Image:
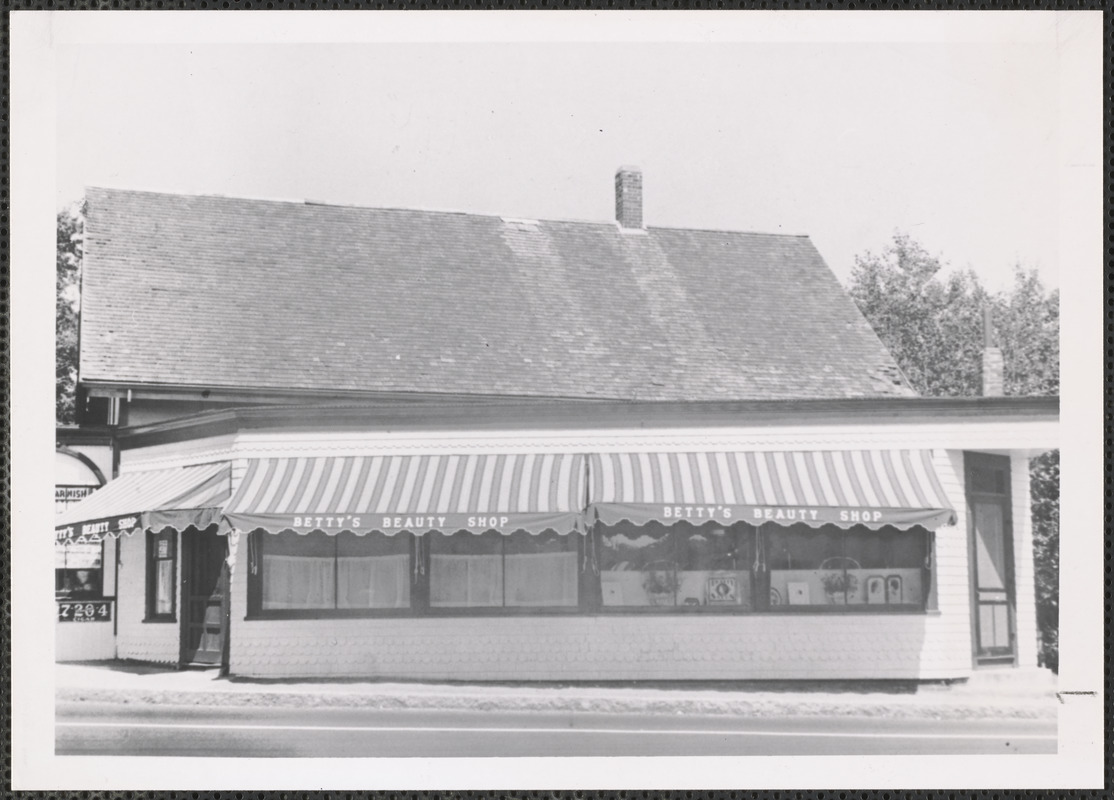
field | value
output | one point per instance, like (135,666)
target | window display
(658,565)
(708,568)
(835,567)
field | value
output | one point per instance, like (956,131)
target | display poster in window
(797,592)
(77,556)
(723,591)
(164,548)
(88,611)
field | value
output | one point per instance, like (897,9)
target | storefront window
(655,565)
(317,571)
(78,570)
(494,570)
(683,567)
(466,570)
(540,570)
(373,571)
(162,563)
(857,567)
(299,571)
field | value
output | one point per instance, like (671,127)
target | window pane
(541,570)
(990,546)
(373,571)
(859,566)
(714,565)
(164,586)
(885,567)
(806,565)
(638,565)
(77,583)
(466,570)
(298,571)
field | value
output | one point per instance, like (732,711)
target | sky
(953,142)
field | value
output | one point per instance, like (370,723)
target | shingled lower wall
(600,648)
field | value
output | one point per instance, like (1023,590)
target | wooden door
(204,616)
(991,539)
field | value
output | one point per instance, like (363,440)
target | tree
(67,282)
(933,326)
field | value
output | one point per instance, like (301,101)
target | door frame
(1002,463)
(190,539)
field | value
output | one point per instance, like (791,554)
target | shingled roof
(220,292)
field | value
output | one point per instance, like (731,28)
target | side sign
(89,611)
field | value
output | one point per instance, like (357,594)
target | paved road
(128,729)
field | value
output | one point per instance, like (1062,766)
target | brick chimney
(993,366)
(628,197)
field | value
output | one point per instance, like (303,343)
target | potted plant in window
(838,583)
(659,580)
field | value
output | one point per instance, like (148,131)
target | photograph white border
(34,39)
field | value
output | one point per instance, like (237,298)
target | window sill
(158,620)
(406,613)
(634,611)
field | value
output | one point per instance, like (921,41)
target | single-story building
(394,443)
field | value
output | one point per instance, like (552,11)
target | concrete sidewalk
(996,694)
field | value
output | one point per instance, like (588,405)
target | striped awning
(152,500)
(418,493)
(875,488)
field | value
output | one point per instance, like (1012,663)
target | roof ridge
(448,211)
(726,230)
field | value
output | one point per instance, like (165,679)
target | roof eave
(564,414)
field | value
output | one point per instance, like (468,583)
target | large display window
(495,570)
(316,574)
(858,568)
(319,572)
(655,566)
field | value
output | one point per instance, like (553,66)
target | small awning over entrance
(152,500)
(418,494)
(876,488)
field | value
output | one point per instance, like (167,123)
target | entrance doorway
(205,591)
(990,532)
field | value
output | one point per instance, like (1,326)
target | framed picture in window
(722,590)
(894,589)
(876,590)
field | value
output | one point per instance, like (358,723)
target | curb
(759,708)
